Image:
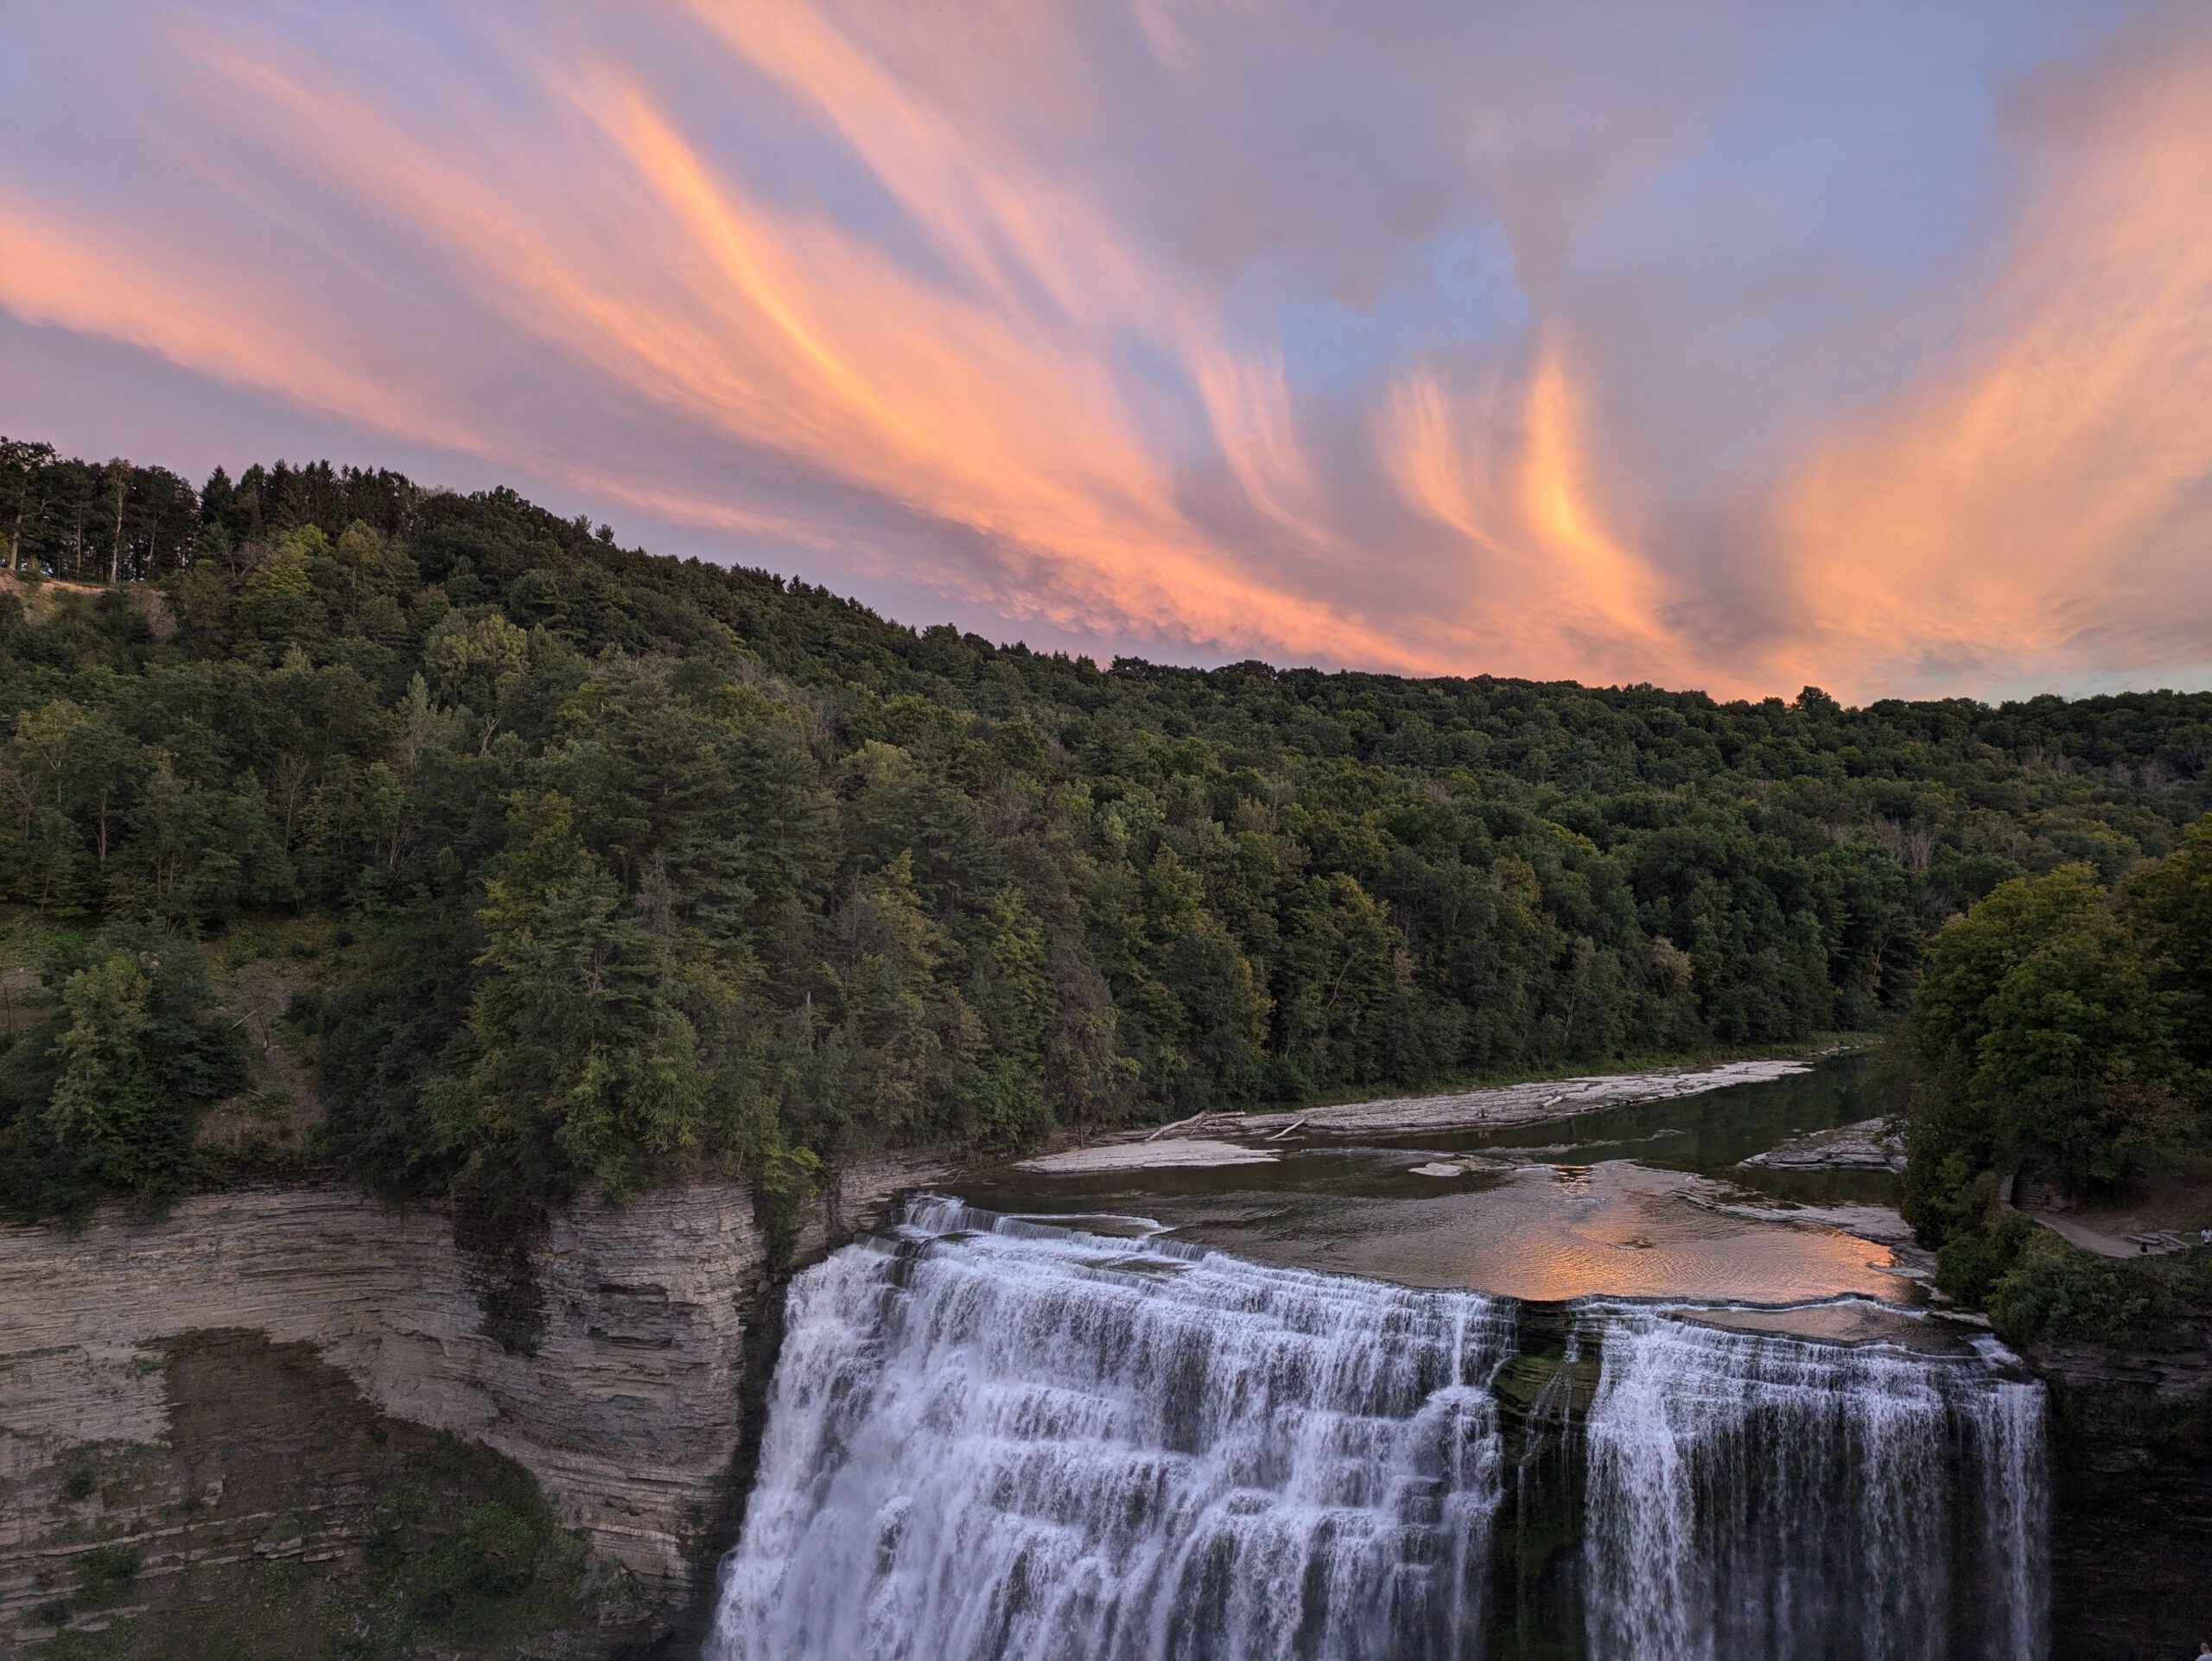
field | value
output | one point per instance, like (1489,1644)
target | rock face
(243,1382)
(628,1410)
(2130,1549)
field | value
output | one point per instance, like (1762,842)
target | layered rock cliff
(326,1307)
(2131,1548)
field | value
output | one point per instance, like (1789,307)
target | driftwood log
(1195,1123)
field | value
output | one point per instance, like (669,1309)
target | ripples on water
(1538,1233)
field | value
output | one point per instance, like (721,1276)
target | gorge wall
(249,1381)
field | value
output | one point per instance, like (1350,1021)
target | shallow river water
(1617,1202)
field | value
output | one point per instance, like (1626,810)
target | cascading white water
(996,1441)
(1750,1495)
(1014,1442)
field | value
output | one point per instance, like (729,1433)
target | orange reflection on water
(1554,1233)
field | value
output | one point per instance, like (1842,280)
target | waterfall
(1752,1495)
(991,1440)
(1013,1441)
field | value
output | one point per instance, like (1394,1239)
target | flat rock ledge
(1860,1146)
(1182,1151)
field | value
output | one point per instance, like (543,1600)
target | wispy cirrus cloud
(2040,491)
(1211,330)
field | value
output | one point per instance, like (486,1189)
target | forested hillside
(612,866)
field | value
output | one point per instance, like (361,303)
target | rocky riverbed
(1865,1146)
(1243,1138)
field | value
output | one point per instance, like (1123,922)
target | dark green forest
(634,866)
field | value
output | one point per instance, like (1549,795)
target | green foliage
(468,1552)
(105,1568)
(889,1040)
(2058,1037)
(104,1094)
(654,865)
(2051,1289)
(467,1582)
(1971,1261)
(2040,1015)
(2168,905)
(576,1058)
(102,1097)
(2055,1037)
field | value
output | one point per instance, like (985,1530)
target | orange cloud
(1509,474)
(796,336)
(71,272)
(1619,586)
(992,404)
(2040,496)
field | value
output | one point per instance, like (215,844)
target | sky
(1735,347)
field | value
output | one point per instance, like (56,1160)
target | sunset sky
(1736,346)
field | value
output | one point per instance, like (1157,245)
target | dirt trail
(41,596)
(2096,1240)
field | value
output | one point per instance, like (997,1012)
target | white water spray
(1753,1495)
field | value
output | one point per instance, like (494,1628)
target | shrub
(107,1566)
(2055,1290)
(305,1009)
(1969,1263)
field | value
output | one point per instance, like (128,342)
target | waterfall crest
(1750,1495)
(990,1440)
(1017,1441)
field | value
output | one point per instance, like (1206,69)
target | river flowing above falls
(1645,1200)
(996,1439)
